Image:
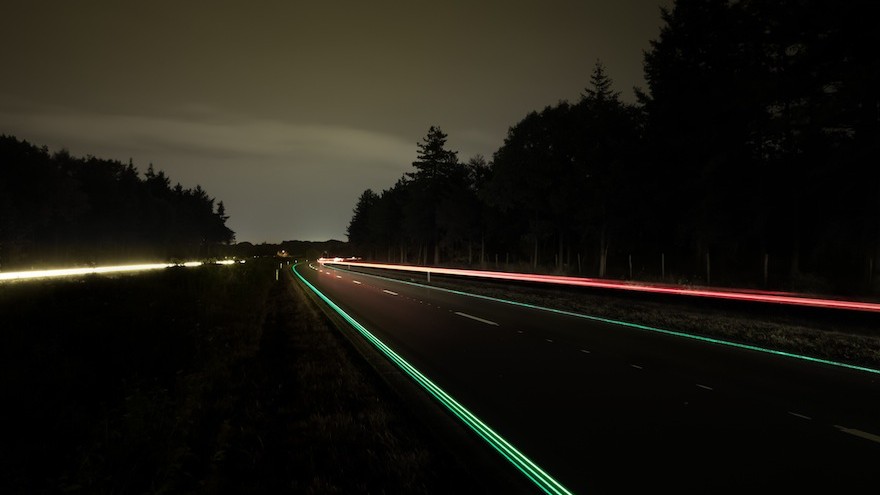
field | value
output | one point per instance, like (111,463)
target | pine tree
(599,89)
(358,231)
(433,157)
(221,211)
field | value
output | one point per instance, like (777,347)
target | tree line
(750,159)
(56,209)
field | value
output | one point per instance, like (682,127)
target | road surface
(611,408)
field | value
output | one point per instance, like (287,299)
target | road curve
(613,408)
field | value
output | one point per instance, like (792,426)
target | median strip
(477,318)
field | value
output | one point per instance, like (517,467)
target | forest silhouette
(750,159)
(60,210)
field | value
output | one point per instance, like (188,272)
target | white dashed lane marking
(476,318)
(389,292)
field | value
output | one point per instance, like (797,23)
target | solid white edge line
(477,318)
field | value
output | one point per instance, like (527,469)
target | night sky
(289,110)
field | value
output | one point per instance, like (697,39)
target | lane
(608,408)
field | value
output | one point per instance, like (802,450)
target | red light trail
(737,295)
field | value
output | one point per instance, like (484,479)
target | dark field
(198,380)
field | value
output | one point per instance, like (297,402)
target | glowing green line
(525,465)
(640,327)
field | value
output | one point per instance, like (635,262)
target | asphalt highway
(611,408)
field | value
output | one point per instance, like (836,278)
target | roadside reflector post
(276,274)
(766,265)
(429,276)
(708,271)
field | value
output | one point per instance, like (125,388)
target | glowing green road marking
(525,465)
(638,326)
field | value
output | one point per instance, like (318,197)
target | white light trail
(67,272)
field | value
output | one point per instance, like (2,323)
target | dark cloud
(265,103)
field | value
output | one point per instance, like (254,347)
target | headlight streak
(531,470)
(737,295)
(642,327)
(66,272)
